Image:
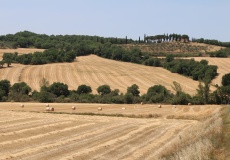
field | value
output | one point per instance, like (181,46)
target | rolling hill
(174,47)
(95,71)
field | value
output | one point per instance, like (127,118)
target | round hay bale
(73,107)
(51,109)
(159,106)
(99,108)
(21,105)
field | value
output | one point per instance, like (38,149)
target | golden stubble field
(95,71)
(33,133)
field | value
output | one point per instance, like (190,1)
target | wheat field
(32,133)
(95,71)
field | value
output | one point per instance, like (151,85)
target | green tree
(169,58)
(44,96)
(134,90)
(177,88)
(21,88)
(226,80)
(59,89)
(19,92)
(157,93)
(5,87)
(84,89)
(128,98)
(104,89)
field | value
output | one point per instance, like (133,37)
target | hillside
(174,47)
(95,71)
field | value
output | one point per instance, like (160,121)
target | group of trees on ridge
(167,38)
(211,41)
(59,92)
(28,39)
(48,56)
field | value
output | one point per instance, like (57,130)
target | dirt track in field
(29,135)
(95,71)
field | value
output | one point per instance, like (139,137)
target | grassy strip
(111,115)
(196,142)
(222,148)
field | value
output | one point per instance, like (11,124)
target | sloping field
(20,51)
(223,67)
(174,47)
(95,71)
(29,135)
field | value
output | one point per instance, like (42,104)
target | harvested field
(95,71)
(223,67)
(30,135)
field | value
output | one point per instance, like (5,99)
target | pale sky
(208,19)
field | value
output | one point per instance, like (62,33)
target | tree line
(211,41)
(167,38)
(59,92)
(48,56)
(28,39)
(220,53)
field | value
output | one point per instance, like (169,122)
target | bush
(226,80)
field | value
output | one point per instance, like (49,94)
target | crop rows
(30,135)
(95,71)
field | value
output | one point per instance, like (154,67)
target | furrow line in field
(68,73)
(118,81)
(166,140)
(27,75)
(85,143)
(7,127)
(49,74)
(38,73)
(17,119)
(88,78)
(95,76)
(60,71)
(75,73)
(34,128)
(53,74)
(150,146)
(4,72)
(137,142)
(61,143)
(14,74)
(125,137)
(80,74)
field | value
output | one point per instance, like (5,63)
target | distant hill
(175,47)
